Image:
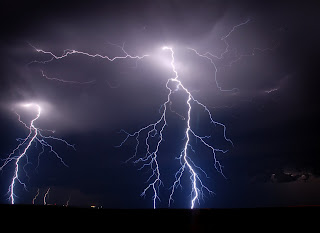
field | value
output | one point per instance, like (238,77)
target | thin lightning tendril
(66,81)
(229,51)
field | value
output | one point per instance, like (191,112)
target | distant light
(96,207)
(27,105)
(166,47)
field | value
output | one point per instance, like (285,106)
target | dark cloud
(284,177)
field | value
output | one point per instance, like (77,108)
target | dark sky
(272,119)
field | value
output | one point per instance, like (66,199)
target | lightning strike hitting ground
(46,196)
(35,136)
(35,197)
(66,81)
(150,159)
(186,163)
(69,52)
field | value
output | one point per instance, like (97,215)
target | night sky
(272,119)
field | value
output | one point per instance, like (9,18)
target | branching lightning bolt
(45,196)
(233,52)
(69,52)
(35,135)
(152,130)
(157,128)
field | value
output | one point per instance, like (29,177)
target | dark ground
(43,218)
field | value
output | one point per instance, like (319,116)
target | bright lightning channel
(35,135)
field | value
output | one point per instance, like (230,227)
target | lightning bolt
(35,197)
(69,52)
(186,163)
(35,135)
(45,196)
